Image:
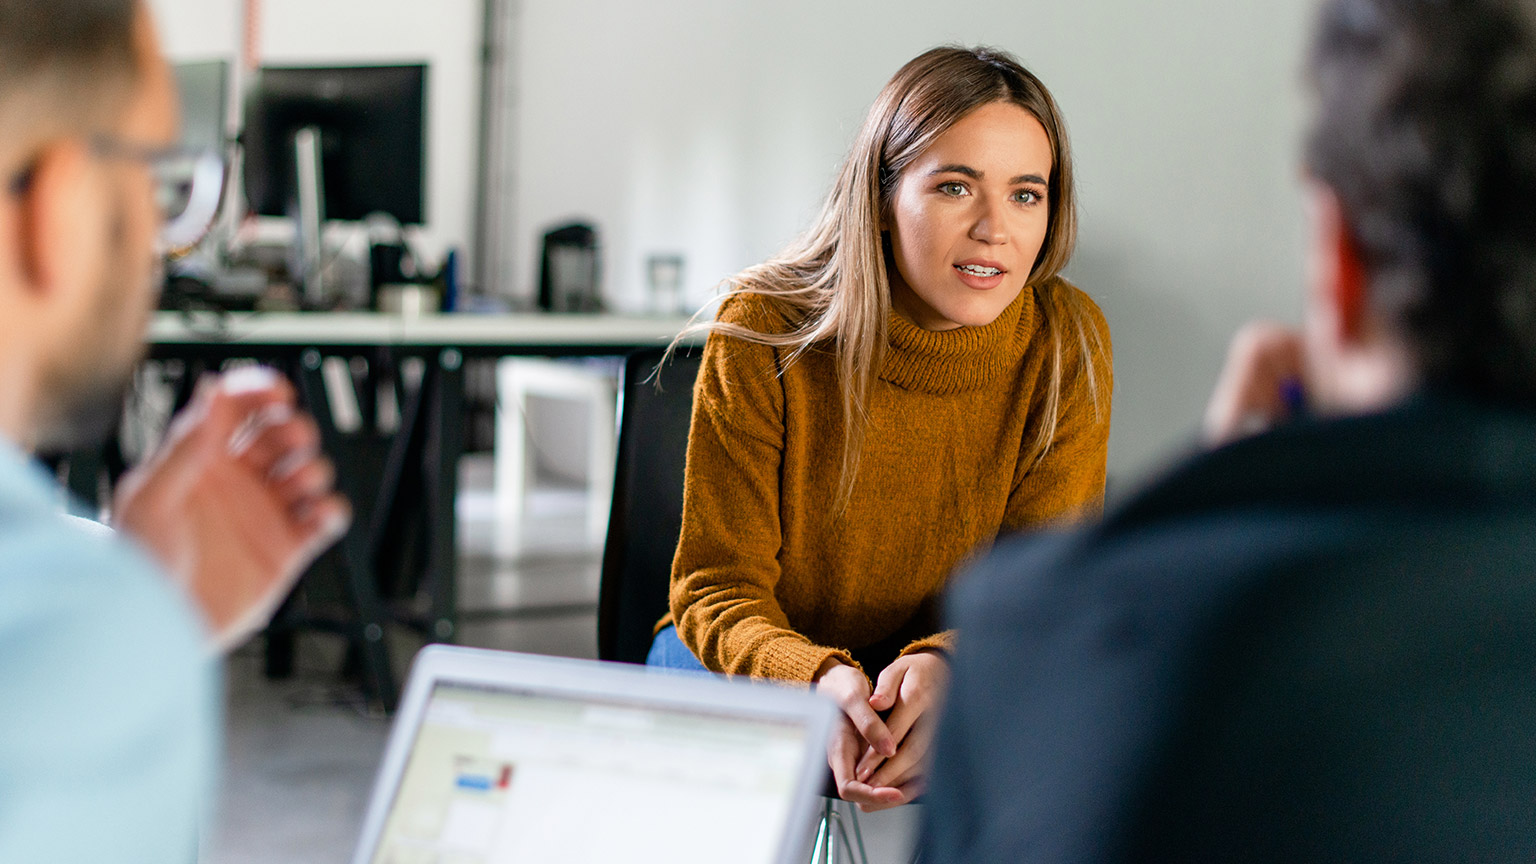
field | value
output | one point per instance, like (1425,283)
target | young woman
(908,379)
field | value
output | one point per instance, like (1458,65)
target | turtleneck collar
(959,360)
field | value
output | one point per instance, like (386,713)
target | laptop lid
(503,758)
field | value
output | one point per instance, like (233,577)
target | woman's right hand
(861,727)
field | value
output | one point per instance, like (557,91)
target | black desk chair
(643,527)
(647,512)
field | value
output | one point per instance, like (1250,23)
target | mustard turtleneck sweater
(770,580)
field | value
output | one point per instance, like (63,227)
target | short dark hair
(1426,132)
(76,54)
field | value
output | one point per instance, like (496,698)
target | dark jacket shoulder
(1300,646)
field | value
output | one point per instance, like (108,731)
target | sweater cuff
(943,642)
(795,660)
(665,622)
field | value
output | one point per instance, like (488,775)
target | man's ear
(1338,275)
(60,220)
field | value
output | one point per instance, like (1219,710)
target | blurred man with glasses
(108,680)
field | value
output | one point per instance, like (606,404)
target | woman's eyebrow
(966,170)
(972,173)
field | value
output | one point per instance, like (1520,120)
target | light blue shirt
(108,709)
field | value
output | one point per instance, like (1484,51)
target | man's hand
(912,689)
(1261,384)
(237,500)
(860,728)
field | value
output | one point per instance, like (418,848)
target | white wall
(446,34)
(714,128)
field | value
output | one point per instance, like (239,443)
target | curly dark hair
(1426,131)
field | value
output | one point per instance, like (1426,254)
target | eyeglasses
(189,186)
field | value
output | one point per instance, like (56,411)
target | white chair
(517,379)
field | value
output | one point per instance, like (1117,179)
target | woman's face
(968,219)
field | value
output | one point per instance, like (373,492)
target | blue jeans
(669,652)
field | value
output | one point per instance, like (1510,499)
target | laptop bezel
(567,678)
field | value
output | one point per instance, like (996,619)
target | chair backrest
(647,512)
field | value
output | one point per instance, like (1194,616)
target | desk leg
(445,444)
(367,628)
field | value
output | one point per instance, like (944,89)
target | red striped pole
(251,35)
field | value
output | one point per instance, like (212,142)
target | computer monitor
(371,124)
(204,89)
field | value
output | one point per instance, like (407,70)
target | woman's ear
(883,199)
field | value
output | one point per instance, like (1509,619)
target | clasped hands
(878,763)
(236,502)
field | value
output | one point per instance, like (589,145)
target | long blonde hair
(832,282)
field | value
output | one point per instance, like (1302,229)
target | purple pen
(1294,397)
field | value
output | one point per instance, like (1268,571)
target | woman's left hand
(911,688)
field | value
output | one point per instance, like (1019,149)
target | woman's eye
(955,189)
(1026,196)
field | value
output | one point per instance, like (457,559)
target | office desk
(431,434)
(202,334)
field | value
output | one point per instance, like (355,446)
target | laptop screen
(504,777)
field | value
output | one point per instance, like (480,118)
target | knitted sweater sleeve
(1068,481)
(726,567)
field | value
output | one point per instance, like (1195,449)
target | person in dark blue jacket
(1316,641)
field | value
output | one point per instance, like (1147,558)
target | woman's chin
(980,312)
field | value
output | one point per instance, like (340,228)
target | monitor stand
(311,183)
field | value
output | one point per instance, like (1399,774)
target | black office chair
(647,512)
(643,527)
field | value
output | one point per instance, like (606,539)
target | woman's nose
(989,226)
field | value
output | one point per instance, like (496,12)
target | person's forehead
(153,111)
(999,132)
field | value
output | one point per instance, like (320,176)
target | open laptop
(502,758)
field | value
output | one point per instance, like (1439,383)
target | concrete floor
(301,753)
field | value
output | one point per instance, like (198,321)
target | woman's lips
(982,277)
